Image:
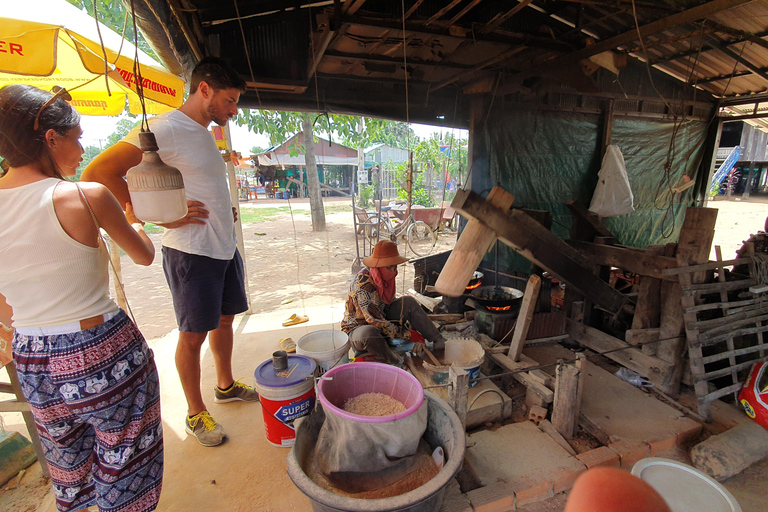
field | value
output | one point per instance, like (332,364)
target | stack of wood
(653,328)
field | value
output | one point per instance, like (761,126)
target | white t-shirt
(188,146)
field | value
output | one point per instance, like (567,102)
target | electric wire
(103,50)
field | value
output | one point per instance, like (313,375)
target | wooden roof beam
(708,80)
(689,53)
(501,18)
(674,20)
(531,40)
(352,6)
(755,70)
(394,60)
(439,14)
(413,9)
(471,5)
(495,60)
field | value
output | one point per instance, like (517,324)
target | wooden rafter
(394,60)
(508,38)
(690,53)
(352,6)
(490,62)
(471,5)
(755,70)
(674,20)
(501,18)
(413,9)
(711,79)
(439,14)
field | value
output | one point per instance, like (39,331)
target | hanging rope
(103,50)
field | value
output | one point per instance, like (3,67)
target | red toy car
(754,394)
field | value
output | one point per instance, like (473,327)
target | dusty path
(285,260)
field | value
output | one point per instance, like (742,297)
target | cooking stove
(496,324)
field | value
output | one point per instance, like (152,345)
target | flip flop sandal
(287,344)
(295,319)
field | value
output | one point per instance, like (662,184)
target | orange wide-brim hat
(385,253)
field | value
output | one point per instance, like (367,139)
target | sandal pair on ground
(202,425)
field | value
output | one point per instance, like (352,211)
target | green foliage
(419,194)
(365,199)
(122,128)
(257,150)
(114,15)
(91,152)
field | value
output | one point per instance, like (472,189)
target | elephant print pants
(95,397)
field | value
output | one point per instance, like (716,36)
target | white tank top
(47,277)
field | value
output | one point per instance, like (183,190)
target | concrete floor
(521,467)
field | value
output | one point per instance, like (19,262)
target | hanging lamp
(156,188)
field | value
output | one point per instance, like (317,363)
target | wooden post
(524,317)
(693,247)
(564,409)
(475,241)
(459,393)
(647,312)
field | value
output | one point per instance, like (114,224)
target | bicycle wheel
(421,238)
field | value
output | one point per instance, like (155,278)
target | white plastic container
(327,347)
(685,488)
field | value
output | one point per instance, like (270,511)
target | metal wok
(496,296)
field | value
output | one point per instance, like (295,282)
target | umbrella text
(11,48)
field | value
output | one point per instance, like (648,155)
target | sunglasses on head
(58,92)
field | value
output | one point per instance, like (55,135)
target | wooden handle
(432,357)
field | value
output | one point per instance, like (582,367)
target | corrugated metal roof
(358,55)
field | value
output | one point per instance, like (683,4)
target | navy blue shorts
(204,289)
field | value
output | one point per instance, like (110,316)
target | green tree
(90,153)
(122,128)
(113,14)
(257,150)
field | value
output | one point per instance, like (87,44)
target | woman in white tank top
(83,365)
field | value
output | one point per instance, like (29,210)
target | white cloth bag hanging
(613,194)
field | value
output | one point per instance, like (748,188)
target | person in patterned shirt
(373,316)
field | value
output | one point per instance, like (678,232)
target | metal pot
(496,296)
(477,278)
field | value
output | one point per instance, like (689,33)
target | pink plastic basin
(350,380)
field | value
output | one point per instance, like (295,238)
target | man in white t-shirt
(202,265)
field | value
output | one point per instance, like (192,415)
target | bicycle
(420,237)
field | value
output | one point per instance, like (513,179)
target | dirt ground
(287,261)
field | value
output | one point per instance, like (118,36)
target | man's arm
(111,166)
(5,312)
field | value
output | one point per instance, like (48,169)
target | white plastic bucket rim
(327,347)
(684,487)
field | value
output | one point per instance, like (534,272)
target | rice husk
(373,404)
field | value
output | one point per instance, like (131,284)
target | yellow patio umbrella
(51,42)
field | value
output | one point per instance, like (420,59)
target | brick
(630,453)
(662,445)
(536,414)
(601,456)
(564,478)
(454,500)
(687,430)
(495,497)
(533,492)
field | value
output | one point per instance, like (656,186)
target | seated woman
(373,316)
